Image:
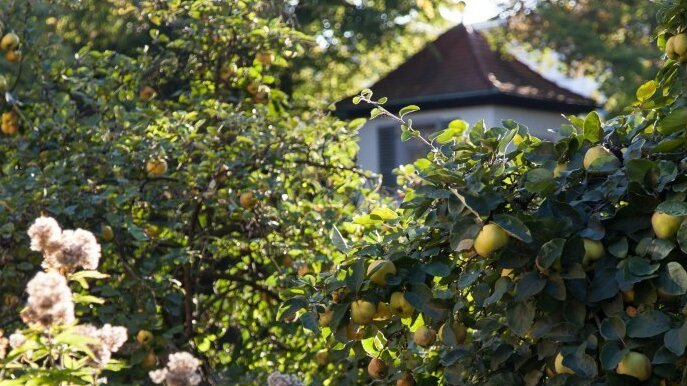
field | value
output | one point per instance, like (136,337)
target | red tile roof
(460,68)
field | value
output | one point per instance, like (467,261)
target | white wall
(538,121)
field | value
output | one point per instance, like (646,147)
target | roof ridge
(483,71)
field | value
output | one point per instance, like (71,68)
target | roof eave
(466,99)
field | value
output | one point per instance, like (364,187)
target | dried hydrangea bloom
(80,248)
(45,234)
(280,379)
(66,250)
(105,341)
(3,346)
(50,300)
(181,370)
(17,340)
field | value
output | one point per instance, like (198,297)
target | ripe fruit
(635,365)
(151,231)
(670,48)
(424,336)
(149,361)
(383,311)
(629,295)
(12,56)
(144,337)
(247,200)
(107,233)
(326,317)
(558,365)
(156,167)
(362,311)
(377,368)
(593,250)
(406,380)
(146,93)
(631,311)
(460,332)
(265,58)
(10,123)
(665,226)
(679,46)
(9,42)
(379,269)
(400,306)
(490,239)
(595,153)
(322,357)
(339,294)
(227,71)
(560,168)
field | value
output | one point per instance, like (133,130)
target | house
(458,76)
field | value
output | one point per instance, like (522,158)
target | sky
(476,11)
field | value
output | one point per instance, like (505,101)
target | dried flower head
(50,300)
(45,234)
(66,250)
(17,340)
(3,345)
(280,379)
(104,341)
(181,370)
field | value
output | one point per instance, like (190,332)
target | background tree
(208,185)
(608,41)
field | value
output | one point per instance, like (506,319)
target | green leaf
(592,127)
(356,276)
(539,180)
(673,121)
(383,214)
(501,286)
(672,280)
(87,299)
(514,227)
(612,328)
(338,240)
(673,208)
(646,91)
(675,340)
(611,354)
(407,110)
(550,252)
(648,325)
(310,321)
(520,317)
(529,285)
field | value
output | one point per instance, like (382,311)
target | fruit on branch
(156,167)
(400,306)
(146,93)
(490,239)
(247,200)
(107,233)
(144,337)
(227,71)
(665,226)
(424,336)
(593,250)
(676,47)
(559,367)
(9,42)
(635,365)
(595,153)
(322,357)
(10,123)
(377,368)
(406,380)
(460,332)
(149,361)
(378,271)
(383,311)
(326,317)
(13,56)
(362,311)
